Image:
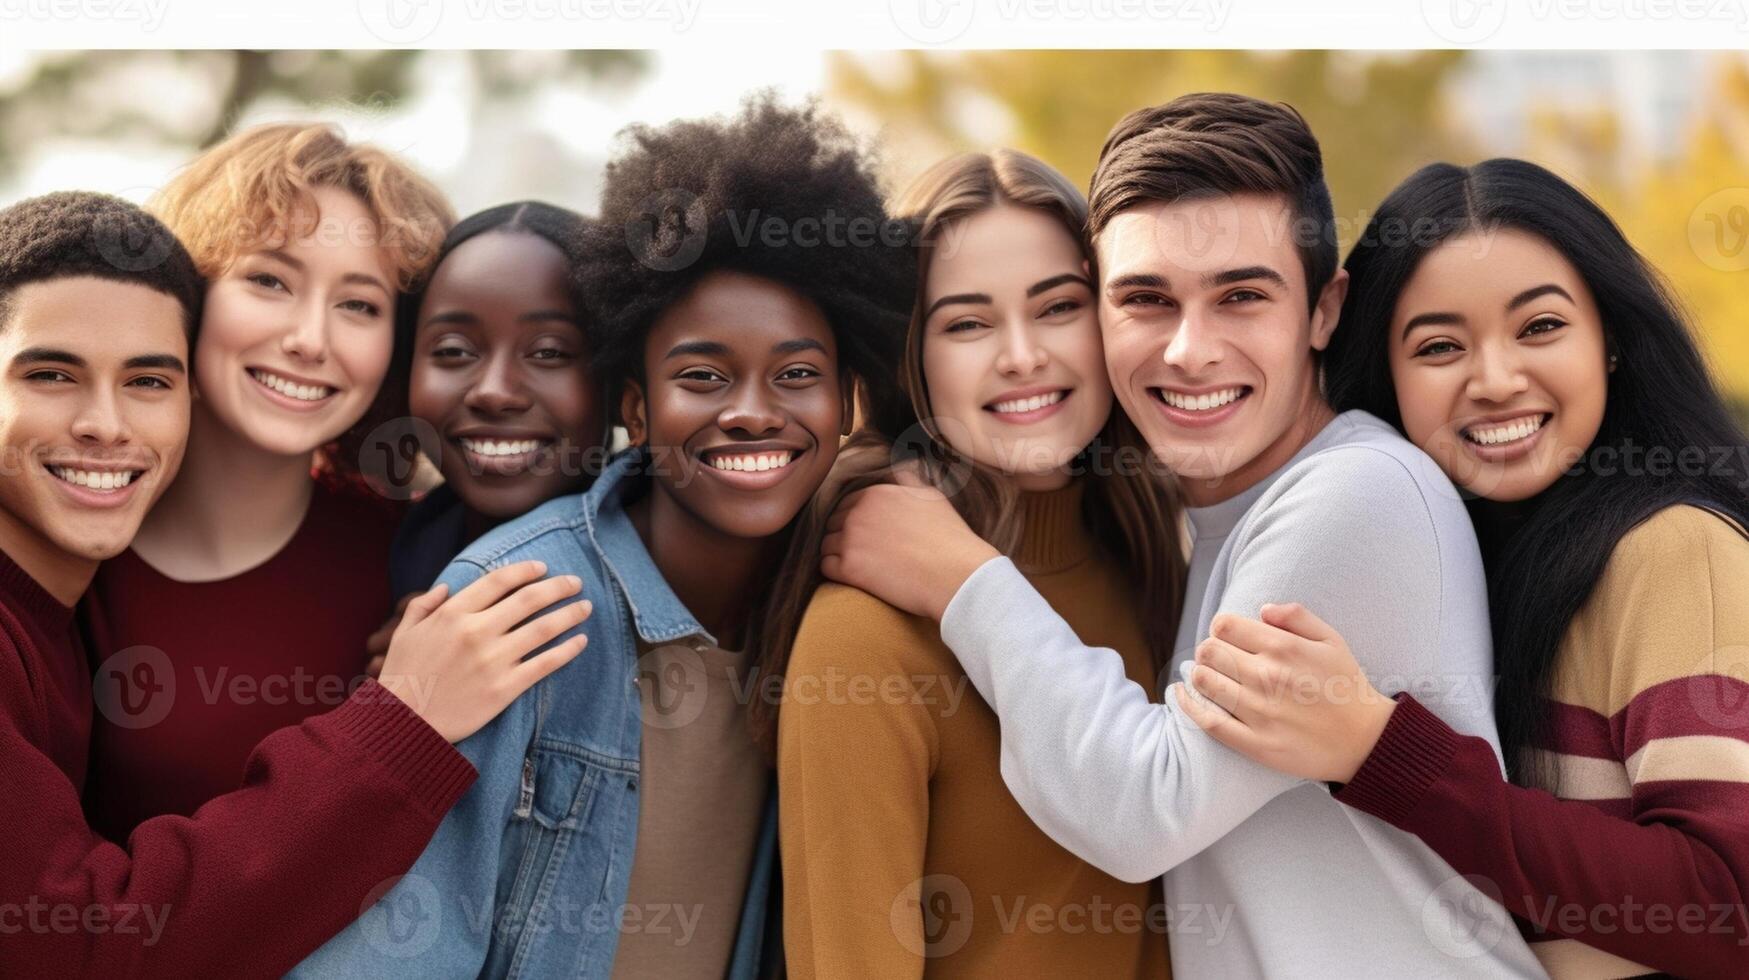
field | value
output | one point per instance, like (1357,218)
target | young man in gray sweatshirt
(1218,287)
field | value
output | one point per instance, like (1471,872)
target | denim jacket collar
(657,613)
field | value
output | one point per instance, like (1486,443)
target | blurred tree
(1687,211)
(1377,116)
(191,99)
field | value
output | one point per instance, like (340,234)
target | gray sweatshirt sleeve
(1136,788)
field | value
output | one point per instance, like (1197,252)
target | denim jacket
(527,876)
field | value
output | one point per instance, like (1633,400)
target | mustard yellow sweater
(903,853)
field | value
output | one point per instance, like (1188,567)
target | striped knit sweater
(1634,857)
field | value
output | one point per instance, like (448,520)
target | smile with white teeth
(1504,432)
(100,480)
(752,462)
(291,389)
(500,447)
(1200,403)
(1032,404)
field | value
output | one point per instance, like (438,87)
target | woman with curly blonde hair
(257,578)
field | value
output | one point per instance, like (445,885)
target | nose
(100,420)
(751,410)
(307,338)
(499,390)
(1193,346)
(1496,374)
(1021,354)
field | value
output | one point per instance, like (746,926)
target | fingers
(1297,619)
(1208,717)
(530,599)
(832,566)
(485,591)
(1250,635)
(537,633)
(1238,665)
(422,605)
(1222,690)
(374,666)
(531,671)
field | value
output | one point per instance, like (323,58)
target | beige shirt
(704,786)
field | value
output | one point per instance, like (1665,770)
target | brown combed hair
(254,191)
(1214,143)
(1132,512)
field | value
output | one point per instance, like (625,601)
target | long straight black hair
(1544,561)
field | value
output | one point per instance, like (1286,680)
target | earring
(1613,361)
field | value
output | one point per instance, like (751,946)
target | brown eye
(1547,324)
(1437,348)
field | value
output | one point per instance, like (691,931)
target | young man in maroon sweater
(98,305)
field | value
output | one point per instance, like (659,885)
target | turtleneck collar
(1053,536)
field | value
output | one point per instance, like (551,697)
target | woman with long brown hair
(903,852)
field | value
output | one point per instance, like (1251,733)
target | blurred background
(1661,139)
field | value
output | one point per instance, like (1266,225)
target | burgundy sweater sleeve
(1567,865)
(252,882)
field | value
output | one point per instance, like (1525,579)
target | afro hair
(78,233)
(782,193)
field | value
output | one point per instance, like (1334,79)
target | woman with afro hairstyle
(625,823)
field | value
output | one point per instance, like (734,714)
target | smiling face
(1203,305)
(295,340)
(1499,361)
(742,403)
(1011,351)
(501,371)
(94,408)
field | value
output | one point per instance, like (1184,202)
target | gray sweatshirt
(1266,875)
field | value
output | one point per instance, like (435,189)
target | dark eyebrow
(1533,292)
(48,355)
(539,316)
(459,317)
(163,362)
(1230,276)
(1146,280)
(1055,281)
(1432,320)
(798,345)
(967,298)
(700,348)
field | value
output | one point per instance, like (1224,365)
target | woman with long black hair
(1500,319)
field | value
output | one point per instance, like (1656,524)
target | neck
(711,573)
(232,506)
(1313,414)
(61,574)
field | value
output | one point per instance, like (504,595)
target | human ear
(631,412)
(1329,308)
(847,421)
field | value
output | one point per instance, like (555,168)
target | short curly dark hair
(80,233)
(783,193)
